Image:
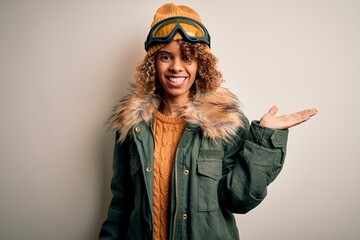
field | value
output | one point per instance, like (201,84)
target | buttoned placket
(179,180)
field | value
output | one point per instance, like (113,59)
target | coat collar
(217,113)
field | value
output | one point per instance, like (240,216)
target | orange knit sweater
(167,134)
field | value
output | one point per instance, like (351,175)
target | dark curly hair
(208,77)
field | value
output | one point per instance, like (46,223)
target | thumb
(273,110)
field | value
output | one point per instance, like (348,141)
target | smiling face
(176,73)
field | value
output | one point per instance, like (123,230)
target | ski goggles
(197,34)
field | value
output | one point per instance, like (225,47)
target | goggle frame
(151,40)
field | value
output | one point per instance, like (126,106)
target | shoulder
(136,107)
(217,113)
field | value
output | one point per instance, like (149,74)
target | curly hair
(208,77)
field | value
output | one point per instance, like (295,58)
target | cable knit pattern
(167,133)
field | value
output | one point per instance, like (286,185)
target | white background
(65,64)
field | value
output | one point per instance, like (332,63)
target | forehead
(173,47)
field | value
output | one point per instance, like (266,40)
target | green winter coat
(222,166)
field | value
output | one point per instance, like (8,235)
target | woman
(186,158)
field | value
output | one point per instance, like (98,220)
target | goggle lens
(196,29)
(164,31)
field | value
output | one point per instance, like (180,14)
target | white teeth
(176,80)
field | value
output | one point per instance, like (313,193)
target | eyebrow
(163,51)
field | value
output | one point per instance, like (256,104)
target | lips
(176,81)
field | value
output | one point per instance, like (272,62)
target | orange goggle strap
(152,40)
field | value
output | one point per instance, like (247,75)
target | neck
(169,110)
(170,106)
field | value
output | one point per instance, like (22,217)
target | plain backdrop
(65,64)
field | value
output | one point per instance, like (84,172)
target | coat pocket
(209,174)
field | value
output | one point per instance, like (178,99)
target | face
(176,73)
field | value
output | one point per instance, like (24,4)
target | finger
(305,113)
(300,117)
(312,112)
(273,110)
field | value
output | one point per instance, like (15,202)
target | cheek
(157,67)
(194,70)
(160,69)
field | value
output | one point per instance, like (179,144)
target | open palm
(285,121)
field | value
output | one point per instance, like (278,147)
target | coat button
(186,172)
(148,169)
(137,129)
(184,216)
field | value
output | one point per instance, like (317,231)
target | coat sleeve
(116,224)
(251,163)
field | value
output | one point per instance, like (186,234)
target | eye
(187,59)
(165,57)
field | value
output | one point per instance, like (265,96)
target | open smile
(176,81)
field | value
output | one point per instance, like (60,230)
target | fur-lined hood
(216,113)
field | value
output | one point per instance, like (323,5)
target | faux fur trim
(217,113)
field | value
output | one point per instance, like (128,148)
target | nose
(176,65)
